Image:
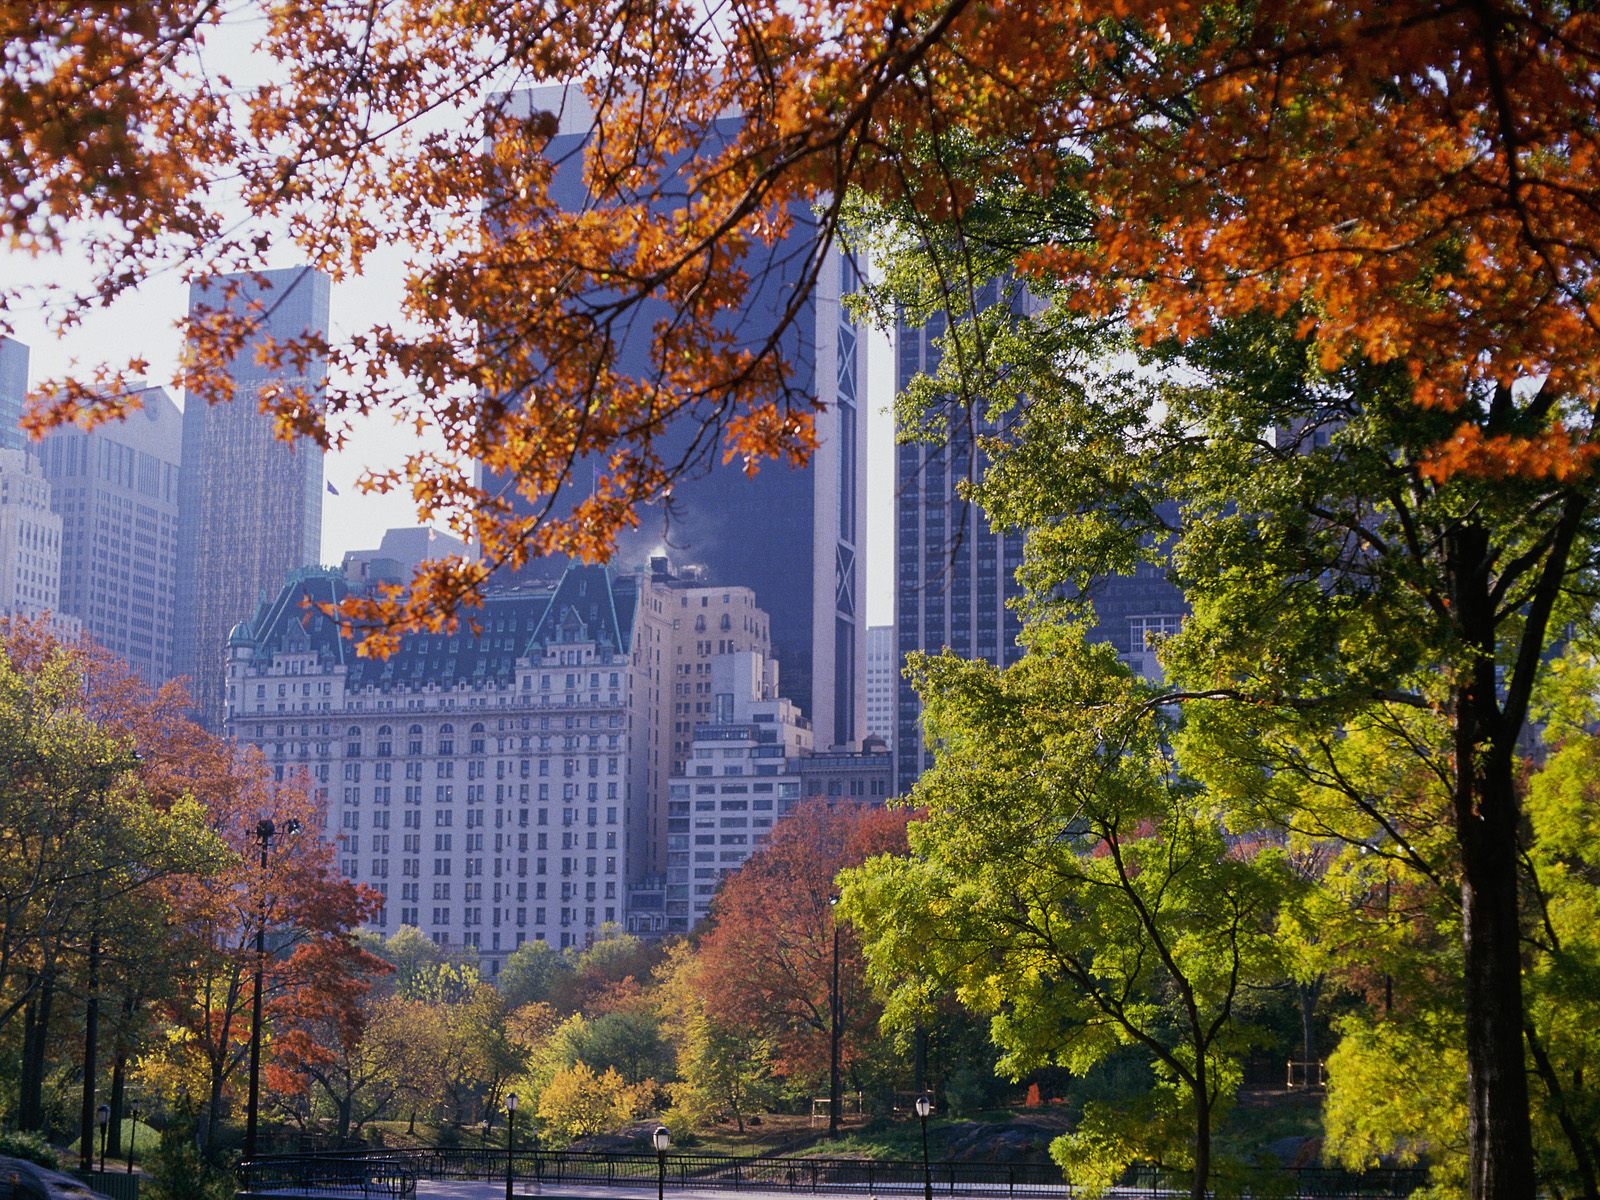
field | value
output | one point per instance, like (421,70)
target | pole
(927,1171)
(133,1129)
(835,1098)
(264,832)
(661,1174)
(104,1129)
(91,1032)
(511,1140)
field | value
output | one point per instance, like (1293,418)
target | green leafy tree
(724,1069)
(1068,881)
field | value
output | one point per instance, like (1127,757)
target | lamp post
(133,1129)
(661,1139)
(924,1107)
(511,1137)
(835,1020)
(102,1116)
(264,832)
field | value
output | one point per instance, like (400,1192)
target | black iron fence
(359,1176)
(398,1169)
(116,1184)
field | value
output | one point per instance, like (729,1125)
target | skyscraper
(250,506)
(30,539)
(795,537)
(13,390)
(954,576)
(883,682)
(116,491)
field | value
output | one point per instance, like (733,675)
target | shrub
(30,1146)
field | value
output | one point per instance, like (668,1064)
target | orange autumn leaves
(1417,180)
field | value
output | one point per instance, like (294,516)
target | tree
(578,1103)
(724,1070)
(768,963)
(1411,186)
(1072,884)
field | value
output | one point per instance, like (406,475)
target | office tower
(30,539)
(954,576)
(250,505)
(13,391)
(795,537)
(491,785)
(116,491)
(883,681)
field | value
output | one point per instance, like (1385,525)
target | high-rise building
(883,681)
(115,489)
(736,783)
(955,576)
(13,391)
(795,537)
(30,538)
(688,622)
(250,505)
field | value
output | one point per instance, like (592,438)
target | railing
(367,1175)
(119,1185)
(868,1177)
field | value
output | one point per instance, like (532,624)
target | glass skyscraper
(794,536)
(954,576)
(250,507)
(13,390)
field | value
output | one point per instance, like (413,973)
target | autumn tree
(1411,186)
(768,962)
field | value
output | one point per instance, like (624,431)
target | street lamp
(102,1116)
(511,1137)
(264,832)
(924,1107)
(133,1129)
(661,1139)
(835,1020)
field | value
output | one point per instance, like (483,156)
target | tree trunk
(1307,994)
(1500,1140)
(1202,1133)
(119,1087)
(35,1028)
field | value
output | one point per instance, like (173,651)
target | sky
(145,325)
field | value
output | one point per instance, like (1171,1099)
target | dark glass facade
(794,536)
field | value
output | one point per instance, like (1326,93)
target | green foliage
(30,1147)
(1068,882)
(178,1171)
(533,974)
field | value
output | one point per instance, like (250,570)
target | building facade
(250,505)
(13,392)
(30,538)
(955,577)
(795,537)
(115,489)
(883,682)
(737,782)
(490,787)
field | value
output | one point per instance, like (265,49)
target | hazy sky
(145,325)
